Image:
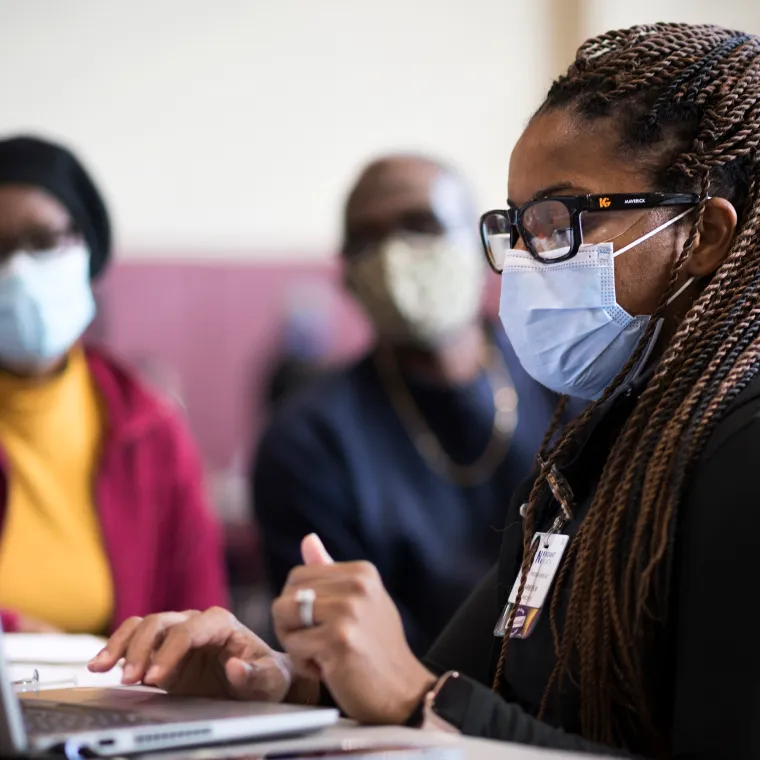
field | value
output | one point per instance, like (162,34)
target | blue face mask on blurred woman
(46,303)
(564,322)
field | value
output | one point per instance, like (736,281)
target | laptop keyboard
(64,719)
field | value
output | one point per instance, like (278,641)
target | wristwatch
(445,706)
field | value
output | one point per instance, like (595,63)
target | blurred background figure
(306,341)
(103,510)
(408,457)
(301,350)
(303,342)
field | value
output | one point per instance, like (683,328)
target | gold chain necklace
(428,444)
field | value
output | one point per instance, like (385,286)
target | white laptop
(81,722)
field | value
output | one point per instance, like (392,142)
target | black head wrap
(31,161)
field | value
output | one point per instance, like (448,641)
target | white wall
(602,15)
(233,127)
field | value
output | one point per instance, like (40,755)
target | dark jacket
(162,540)
(710,676)
(338,461)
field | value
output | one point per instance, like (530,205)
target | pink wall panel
(217,326)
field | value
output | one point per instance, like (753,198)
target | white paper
(51,648)
(64,676)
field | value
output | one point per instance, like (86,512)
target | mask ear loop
(650,234)
(680,290)
(653,232)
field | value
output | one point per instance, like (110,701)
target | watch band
(445,705)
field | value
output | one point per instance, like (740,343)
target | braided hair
(686,100)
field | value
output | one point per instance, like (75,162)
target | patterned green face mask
(419,289)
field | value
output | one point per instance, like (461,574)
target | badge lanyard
(547,557)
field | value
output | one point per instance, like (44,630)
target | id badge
(540,576)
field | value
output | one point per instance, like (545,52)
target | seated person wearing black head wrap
(102,513)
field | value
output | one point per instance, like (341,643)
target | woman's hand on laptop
(356,643)
(208,654)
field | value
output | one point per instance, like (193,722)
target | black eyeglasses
(553,229)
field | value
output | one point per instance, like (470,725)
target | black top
(338,461)
(710,677)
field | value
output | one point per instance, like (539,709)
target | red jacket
(162,540)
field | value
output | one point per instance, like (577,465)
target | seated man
(102,511)
(409,457)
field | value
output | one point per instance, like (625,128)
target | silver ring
(305,598)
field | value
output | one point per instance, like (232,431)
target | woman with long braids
(621,614)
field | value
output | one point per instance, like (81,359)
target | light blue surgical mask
(564,322)
(46,303)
